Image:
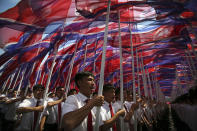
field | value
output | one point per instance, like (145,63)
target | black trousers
(8,125)
(50,127)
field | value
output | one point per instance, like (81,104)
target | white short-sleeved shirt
(28,118)
(11,110)
(127,106)
(52,117)
(75,102)
(117,106)
(105,113)
(53,111)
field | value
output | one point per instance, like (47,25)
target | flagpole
(149,81)
(35,82)
(154,86)
(186,76)
(144,77)
(192,43)
(101,81)
(34,66)
(133,77)
(121,72)
(157,87)
(94,66)
(85,55)
(42,78)
(19,70)
(67,83)
(20,84)
(50,73)
(139,92)
(192,63)
(48,82)
(38,74)
(5,83)
(12,77)
(178,83)
(189,64)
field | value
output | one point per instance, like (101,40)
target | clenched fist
(97,101)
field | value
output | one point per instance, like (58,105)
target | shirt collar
(106,103)
(37,99)
(82,97)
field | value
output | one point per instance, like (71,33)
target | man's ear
(79,82)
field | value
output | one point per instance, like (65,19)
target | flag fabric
(160,31)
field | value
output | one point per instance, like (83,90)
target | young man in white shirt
(10,114)
(77,110)
(53,120)
(31,109)
(109,115)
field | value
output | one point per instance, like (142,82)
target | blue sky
(4,5)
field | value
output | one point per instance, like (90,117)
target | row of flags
(31,30)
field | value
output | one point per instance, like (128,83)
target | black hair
(38,86)
(71,91)
(192,94)
(59,87)
(23,89)
(79,76)
(108,87)
(117,91)
(29,90)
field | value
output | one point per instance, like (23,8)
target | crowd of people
(76,111)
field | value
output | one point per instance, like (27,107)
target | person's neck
(108,101)
(59,97)
(85,94)
(37,98)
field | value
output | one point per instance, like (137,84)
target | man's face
(22,93)
(14,93)
(60,92)
(38,93)
(109,95)
(73,93)
(129,97)
(86,84)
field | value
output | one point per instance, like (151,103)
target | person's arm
(41,126)
(10,101)
(109,123)
(50,104)
(29,109)
(74,118)
(131,112)
(3,100)
(18,121)
(2,97)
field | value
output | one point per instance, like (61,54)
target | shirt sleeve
(25,103)
(116,107)
(50,100)
(69,105)
(46,112)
